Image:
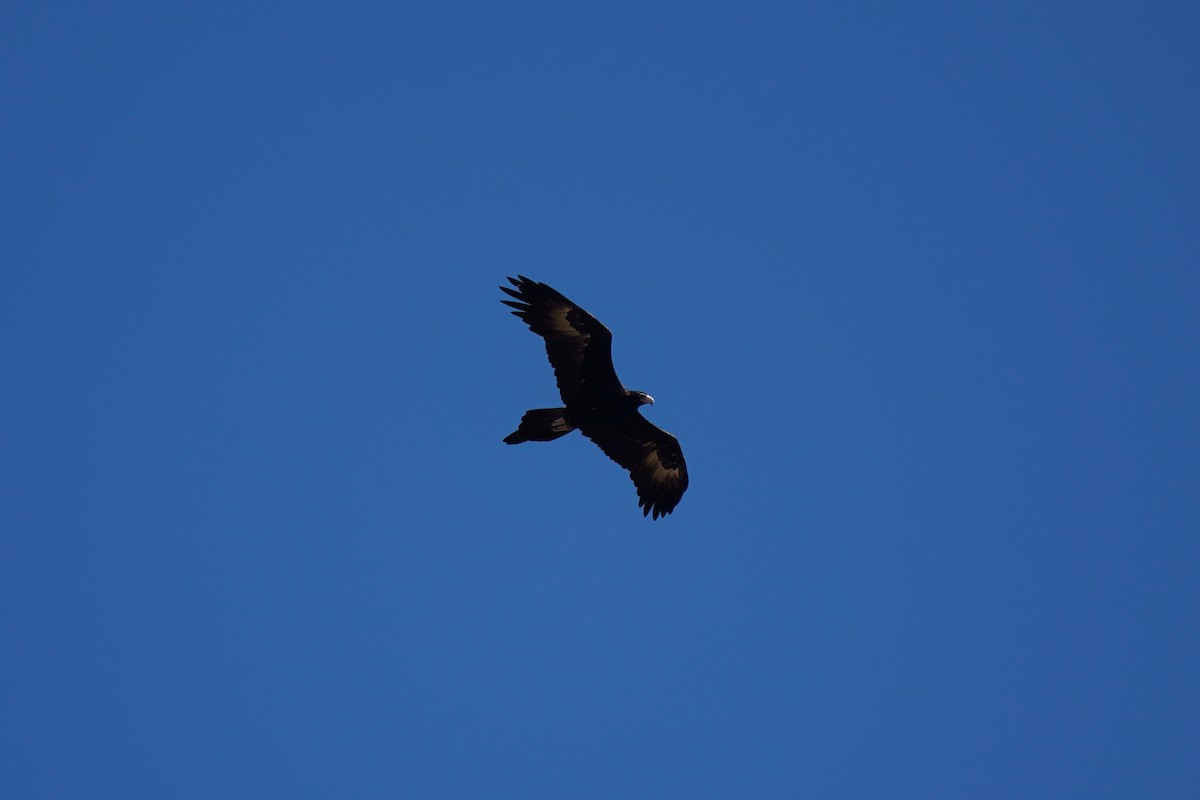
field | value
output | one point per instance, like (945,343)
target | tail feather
(541,425)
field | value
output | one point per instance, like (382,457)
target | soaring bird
(594,401)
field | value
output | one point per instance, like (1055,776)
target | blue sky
(914,284)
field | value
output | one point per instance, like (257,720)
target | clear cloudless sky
(917,286)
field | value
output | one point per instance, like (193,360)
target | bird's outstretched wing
(579,347)
(652,456)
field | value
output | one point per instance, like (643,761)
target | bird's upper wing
(652,456)
(579,346)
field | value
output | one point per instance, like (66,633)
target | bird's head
(643,399)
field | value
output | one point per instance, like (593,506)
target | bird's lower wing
(652,456)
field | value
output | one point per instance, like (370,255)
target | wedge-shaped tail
(540,425)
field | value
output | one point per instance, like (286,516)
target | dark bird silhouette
(580,350)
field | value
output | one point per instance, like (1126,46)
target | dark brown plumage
(580,350)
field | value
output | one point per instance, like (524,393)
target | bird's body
(580,350)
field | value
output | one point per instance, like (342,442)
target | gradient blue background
(916,285)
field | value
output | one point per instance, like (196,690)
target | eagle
(594,401)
